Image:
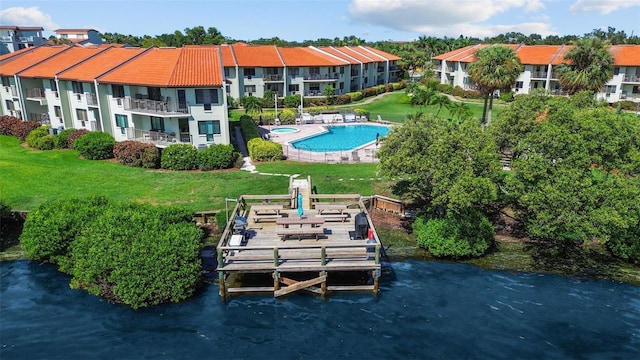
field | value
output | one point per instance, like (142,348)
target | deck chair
(355,157)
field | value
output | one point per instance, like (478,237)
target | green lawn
(29,177)
(389,108)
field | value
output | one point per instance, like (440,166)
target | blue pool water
(341,138)
(284,130)
(425,310)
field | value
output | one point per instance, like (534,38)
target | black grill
(362,226)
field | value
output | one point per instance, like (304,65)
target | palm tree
(495,68)
(589,65)
(460,110)
(252,104)
(440,100)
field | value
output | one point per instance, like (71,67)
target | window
(53,84)
(57,110)
(314,70)
(609,89)
(366,67)
(341,69)
(154,93)
(81,114)
(249,72)
(294,87)
(341,85)
(206,97)
(157,124)
(10,105)
(209,128)
(77,87)
(5,81)
(122,121)
(118,91)
(249,89)
(226,72)
(294,71)
(519,84)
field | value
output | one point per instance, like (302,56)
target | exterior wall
(13,40)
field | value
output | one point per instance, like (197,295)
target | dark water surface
(425,310)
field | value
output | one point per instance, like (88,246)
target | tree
(452,167)
(441,101)
(495,68)
(588,66)
(329,92)
(251,104)
(459,110)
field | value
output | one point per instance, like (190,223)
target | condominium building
(14,38)
(173,95)
(79,36)
(539,63)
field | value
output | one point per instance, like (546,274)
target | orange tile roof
(197,66)
(258,56)
(331,50)
(15,53)
(89,69)
(228,58)
(382,54)
(626,55)
(455,52)
(15,64)
(538,54)
(170,67)
(62,61)
(302,56)
(360,57)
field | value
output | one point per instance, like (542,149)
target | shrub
(292,101)
(50,228)
(471,94)
(388,87)
(362,112)
(8,124)
(74,135)
(61,139)
(406,99)
(21,129)
(262,150)
(179,157)
(625,244)
(45,143)
(368,92)
(35,134)
(457,91)
(5,210)
(628,105)
(355,96)
(217,157)
(506,96)
(342,100)
(137,154)
(287,116)
(249,129)
(445,88)
(461,235)
(96,145)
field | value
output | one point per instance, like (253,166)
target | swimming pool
(341,138)
(284,130)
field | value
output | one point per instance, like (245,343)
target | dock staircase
(301,186)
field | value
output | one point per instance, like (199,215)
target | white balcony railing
(35,93)
(155,106)
(92,99)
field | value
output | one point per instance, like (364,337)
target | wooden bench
(330,208)
(335,217)
(268,217)
(268,209)
(300,232)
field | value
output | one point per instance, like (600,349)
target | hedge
(263,150)
(12,126)
(96,145)
(137,154)
(36,134)
(217,157)
(74,135)
(179,157)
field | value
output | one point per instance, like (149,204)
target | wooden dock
(299,253)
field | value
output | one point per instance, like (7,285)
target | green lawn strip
(29,177)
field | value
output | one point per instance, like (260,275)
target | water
(284,130)
(426,310)
(341,138)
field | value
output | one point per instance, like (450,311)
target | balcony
(6,38)
(11,90)
(539,74)
(92,99)
(272,78)
(43,118)
(314,93)
(632,78)
(380,69)
(36,94)
(155,107)
(25,38)
(158,138)
(321,77)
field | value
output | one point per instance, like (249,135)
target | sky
(299,20)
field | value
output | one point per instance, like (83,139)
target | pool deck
(364,153)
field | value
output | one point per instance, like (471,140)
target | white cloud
(447,18)
(20,16)
(601,6)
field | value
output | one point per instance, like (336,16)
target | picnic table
(273,209)
(294,220)
(330,208)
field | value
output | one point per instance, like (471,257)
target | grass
(390,108)
(30,177)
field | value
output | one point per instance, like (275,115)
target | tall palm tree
(588,66)
(440,101)
(460,110)
(495,68)
(252,104)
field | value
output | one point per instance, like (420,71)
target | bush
(35,134)
(287,116)
(292,101)
(75,135)
(406,99)
(139,255)
(7,124)
(362,112)
(137,154)
(5,210)
(342,100)
(355,96)
(217,157)
(61,139)
(262,150)
(50,229)
(179,157)
(368,92)
(627,105)
(249,129)
(472,94)
(45,143)
(445,88)
(17,128)
(462,235)
(506,96)
(96,145)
